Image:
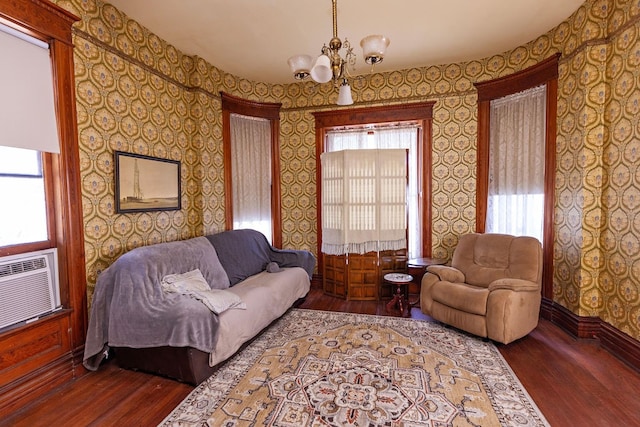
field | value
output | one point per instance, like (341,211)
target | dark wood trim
(316,281)
(548,238)
(482,165)
(611,339)
(373,115)
(70,221)
(246,107)
(425,190)
(620,345)
(52,24)
(545,72)
(536,75)
(40,19)
(421,112)
(265,110)
(34,359)
(577,326)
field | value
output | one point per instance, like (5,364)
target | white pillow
(220,300)
(186,282)
(193,284)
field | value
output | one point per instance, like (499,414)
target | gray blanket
(244,253)
(130,309)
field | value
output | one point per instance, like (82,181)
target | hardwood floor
(573,382)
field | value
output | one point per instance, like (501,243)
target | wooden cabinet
(334,275)
(360,277)
(363,277)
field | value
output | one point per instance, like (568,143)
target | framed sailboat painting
(145,183)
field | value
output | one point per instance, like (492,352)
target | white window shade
(364,201)
(27,108)
(251,170)
(515,203)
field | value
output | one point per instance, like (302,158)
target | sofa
(492,288)
(179,309)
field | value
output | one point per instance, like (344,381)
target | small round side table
(399,300)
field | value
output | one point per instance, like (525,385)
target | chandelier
(331,66)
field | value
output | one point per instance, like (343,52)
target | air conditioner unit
(28,286)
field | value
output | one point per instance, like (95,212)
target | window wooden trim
(421,113)
(265,110)
(545,72)
(52,24)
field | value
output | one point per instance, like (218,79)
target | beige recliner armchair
(492,288)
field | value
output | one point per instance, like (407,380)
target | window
(385,138)
(23,218)
(515,203)
(543,74)
(252,166)
(251,169)
(27,215)
(419,115)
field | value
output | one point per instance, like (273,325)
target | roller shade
(27,108)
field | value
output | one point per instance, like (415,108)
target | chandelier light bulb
(321,71)
(374,48)
(344,95)
(334,65)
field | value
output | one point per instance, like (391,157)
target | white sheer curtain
(251,170)
(516,164)
(403,137)
(364,206)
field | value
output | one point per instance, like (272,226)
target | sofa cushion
(461,296)
(267,296)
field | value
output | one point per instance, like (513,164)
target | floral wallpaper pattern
(135,92)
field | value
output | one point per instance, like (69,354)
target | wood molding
(316,281)
(420,112)
(620,345)
(540,73)
(39,18)
(35,358)
(545,72)
(611,339)
(264,110)
(44,350)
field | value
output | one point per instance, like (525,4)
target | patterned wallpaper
(137,93)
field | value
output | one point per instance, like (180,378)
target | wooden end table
(417,267)
(399,300)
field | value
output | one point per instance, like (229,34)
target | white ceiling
(253,38)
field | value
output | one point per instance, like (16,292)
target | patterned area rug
(318,368)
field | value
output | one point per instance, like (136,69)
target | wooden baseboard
(611,339)
(621,345)
(316,281)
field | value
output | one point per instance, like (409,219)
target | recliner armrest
(517,285)
(447,273)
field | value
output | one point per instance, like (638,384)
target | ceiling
(253,39)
